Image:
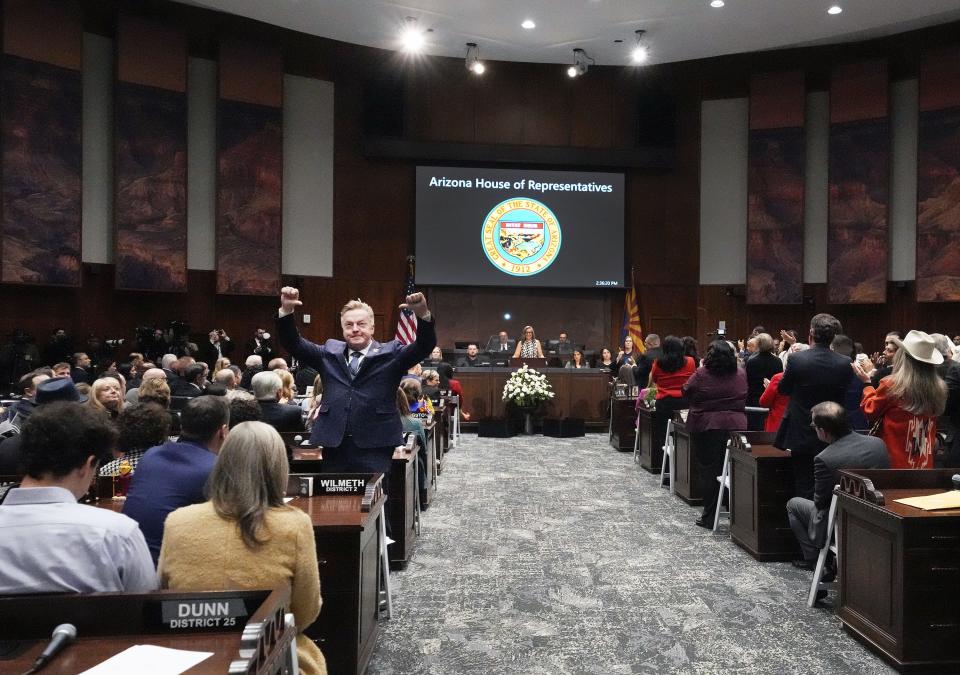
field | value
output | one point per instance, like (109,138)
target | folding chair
(668,464)
(386,599)
(636,440)
(724,480)
(829,546)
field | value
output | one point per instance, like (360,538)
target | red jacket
(777,402)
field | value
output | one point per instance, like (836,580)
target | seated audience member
(444,369)
(606,361)
(142,426)
(845,450)
(288,391)
(500,344)
(61,369)
(717,393)
(27,386)
(48,391)
(244,410)
(772,399)
(193,382)
(844,346)
(529,347)
(311,404)
(220,364)
(167,363)
(105,396)
(253,365)
(414,372)
(79,373)
(763,365)
(277,364)
(304,378)
(133,395)
(267,390)
(413,424)
(174,474)
(228,379)
(431,385)
(245,536)
(48,542)
(576,360)
(564,346)
(908,402)
(420,405)
(473,358)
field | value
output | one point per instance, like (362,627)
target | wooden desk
(347,553)
(688,469)
(109,623)
(761,483)
(579,393)
(651,448)
(401,493)
(900,568)
(622,429)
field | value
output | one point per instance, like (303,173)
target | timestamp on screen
(605,282)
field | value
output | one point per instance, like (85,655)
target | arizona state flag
(631,320)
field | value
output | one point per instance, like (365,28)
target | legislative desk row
(899,566)
(347,534)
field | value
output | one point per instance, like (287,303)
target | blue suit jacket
(364,407)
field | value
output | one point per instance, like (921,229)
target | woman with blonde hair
(222,363)
(529,346)
(245,536)
(311,404)
(907,403)
(105,395)
(287,389)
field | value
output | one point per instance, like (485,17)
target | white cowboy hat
(922,347)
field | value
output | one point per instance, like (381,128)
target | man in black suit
(80,373)
(282,417)
(651,352)
(845,450)
(500,348)
(261,345)
(192,383)
(217,345)
(813,376)
(473,358)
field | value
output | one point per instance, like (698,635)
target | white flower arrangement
(526,388)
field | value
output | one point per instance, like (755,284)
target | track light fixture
(411,37)
(474,64)
(640,53)
(580,63)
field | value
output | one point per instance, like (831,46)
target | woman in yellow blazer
(245,537)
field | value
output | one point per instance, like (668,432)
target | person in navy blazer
(357,425)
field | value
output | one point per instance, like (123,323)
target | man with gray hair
(133,395)
(228,379)
(253,365)
(845,449)
(281,416)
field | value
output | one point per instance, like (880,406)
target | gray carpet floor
(545,555)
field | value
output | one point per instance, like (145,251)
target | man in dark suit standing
(813,376)
(845,450)
(358,424)
(217,345)
(282,417)
(651,352)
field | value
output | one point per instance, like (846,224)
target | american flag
(407,325)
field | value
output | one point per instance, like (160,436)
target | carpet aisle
(545,555)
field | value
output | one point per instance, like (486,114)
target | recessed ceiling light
(717,3)
(835,9)
(640,53)
(528,24)
(411,37)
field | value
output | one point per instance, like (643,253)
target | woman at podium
(529,347)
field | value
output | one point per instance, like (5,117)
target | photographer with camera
(217,346)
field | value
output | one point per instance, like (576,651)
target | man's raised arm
(287,334)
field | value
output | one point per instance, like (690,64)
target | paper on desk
(944,500)
(149,660)
(287,500)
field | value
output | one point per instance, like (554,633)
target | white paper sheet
(149,660)
(287,500)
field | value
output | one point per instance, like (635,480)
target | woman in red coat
(908,401)
(773,399)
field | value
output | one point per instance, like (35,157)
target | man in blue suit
(358,424)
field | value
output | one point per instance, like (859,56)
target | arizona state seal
(521,236)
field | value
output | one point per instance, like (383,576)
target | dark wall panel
(150,200)
(249,169)
(41,136)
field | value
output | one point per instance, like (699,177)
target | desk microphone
(63,635)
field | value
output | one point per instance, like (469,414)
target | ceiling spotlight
(528,24)
(411,37)
(580,63)
(835,9)
(640,53)
(474,63)
(716,3)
